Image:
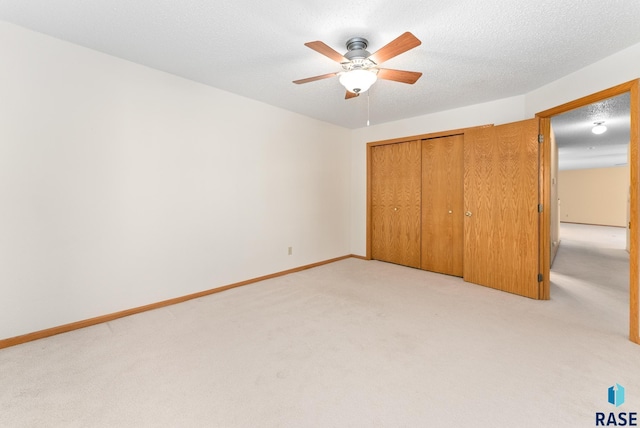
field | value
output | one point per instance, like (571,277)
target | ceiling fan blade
(401,76)
(396,47)
(325,50)
(313,79)
(350,95)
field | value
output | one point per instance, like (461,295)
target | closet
(463,203)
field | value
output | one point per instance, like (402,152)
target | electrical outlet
(290,250)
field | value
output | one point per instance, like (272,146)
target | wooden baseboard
(12,341)
(592,224)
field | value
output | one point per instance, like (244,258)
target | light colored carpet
(351,344)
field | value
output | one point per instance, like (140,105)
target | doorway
(630,88)
(593,163)
(592,219)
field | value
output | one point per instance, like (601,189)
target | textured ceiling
(471,51)
(578,147)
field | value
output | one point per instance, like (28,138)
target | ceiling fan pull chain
(368,109)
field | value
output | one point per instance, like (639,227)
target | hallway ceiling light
(599,128)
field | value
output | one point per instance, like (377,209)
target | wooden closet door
(501,203)
(442,205)
(395,203)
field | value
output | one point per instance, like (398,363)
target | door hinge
(540,138)
(540,277)
(540,208)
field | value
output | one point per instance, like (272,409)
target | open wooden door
(501,207)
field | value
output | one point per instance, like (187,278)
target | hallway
(591,273)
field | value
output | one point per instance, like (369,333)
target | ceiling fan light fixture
(599,128)
(360,68)
(358,81)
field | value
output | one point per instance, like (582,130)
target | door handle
(468,214)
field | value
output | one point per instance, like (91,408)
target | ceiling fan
(361,68)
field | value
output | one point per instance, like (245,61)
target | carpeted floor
(351,344)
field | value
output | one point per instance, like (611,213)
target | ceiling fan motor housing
(357,43)
(357,55)
(357,49)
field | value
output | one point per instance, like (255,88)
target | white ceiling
(579,148)
(471,51)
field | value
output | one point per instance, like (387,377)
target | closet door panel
(442,205)
(395,203)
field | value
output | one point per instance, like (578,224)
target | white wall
(611,71)
(122,186)
(594,196)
